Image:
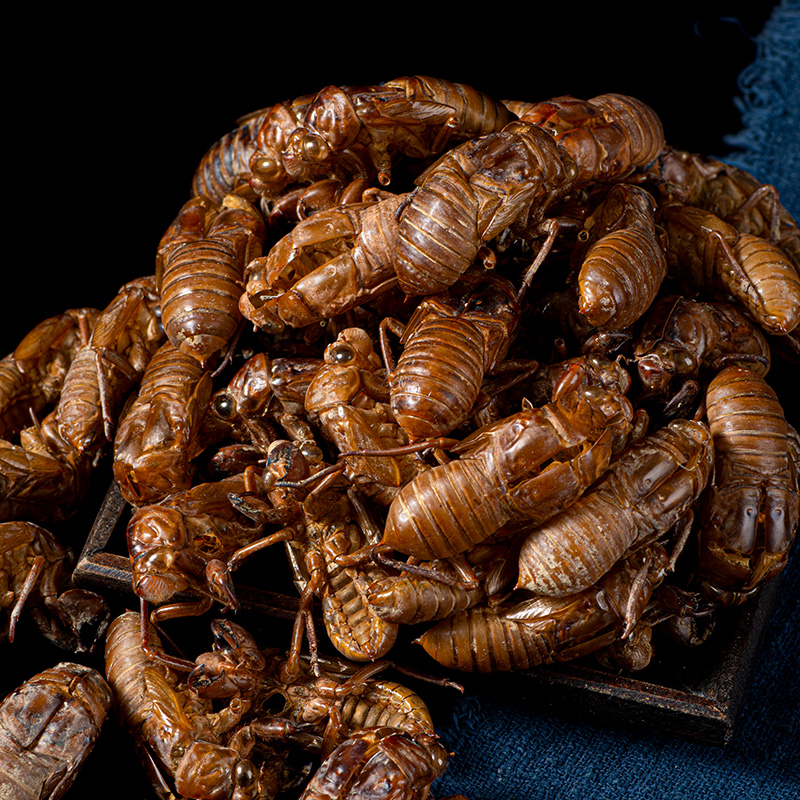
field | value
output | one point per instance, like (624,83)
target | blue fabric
(767,146)
(506,751)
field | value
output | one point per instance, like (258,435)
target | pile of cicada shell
(495,370)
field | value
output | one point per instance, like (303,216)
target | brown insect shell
(268,176)
(623,264)
(498,477)
(750,513)
(469,333)
(327,264)
(403,763)
(493,311)
(691,251)
(225,167)
(48,726)
(244,402)
(157,437)
(724,190)
(645,492)
(763,280)
(330,125)
(473,192)
(159,552)
(681,336)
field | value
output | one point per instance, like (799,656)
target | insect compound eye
(223,406)
(684,362)
(311,452)
(341,354)
(245,774)
(315,148)
(266,168)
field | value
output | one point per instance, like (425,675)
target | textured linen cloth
(504,750)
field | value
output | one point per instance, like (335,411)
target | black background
(109,120)
(106,120)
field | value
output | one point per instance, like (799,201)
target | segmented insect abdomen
(125,664)
(645,493)
(642,125)
(775,283)
(353,627)
(79,413)
(410,599)
(227,162)
(437,233)
(441,512)
(438,377)
(620,278)
(747,421)
(481,640)
(475,112)
(387,703)
(200,297)
(575,548)
(751,511)
(202,278)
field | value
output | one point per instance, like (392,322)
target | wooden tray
(696,693)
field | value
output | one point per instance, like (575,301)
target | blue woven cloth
(506,751)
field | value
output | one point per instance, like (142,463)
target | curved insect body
(321,527)
(750,512)
(159,434)
(34,576)
(545,630)
(364,130)
(184,543)
(440,591)
(411,599)
(682,340)
(352,625)
(469,196)
(357,132)
(407,764)
(350,401)
(32,377)
(451,341)
(648,490)
(42,751)
(328,264)
(127,334)
(225,168)
(201,261)
(730,193)
(184,745)
(507,471)
(43,479)
(268,174)
(624,262)
(321,706)
(715,256)
(608,136)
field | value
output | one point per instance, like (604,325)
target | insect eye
(178,751)
(265,168)
(245,774)
(311,452)
(314,148)
(341,354)
(223,406)
(159,562)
